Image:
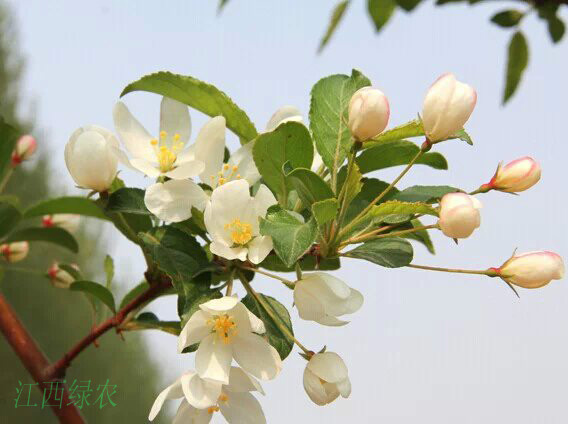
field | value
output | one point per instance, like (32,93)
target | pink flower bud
(25,148)
(60,278)
(533,269)
(368,113)
(67,221)
(15,252)
(447,107)
(518,175)
(459,215)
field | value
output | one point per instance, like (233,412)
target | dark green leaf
(380,11)
(195,93)
(387,252)
(8,139)
(328,115)
(193,295)
(71,270)
(421,236)
(507,18)
(352,186)
(128,200)
(74,205)
(556,29)
(310,186)
(9,218)
(307,263)
(149,321)
(517,62)
(408,5)
(134,293)
(370,190)
(222,4)
(289,143)
(54,235)
(336,15)
(275,336)
(290,236)
(325,211)
(96,290)
(424,194)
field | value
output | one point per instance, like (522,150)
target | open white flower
(326,377)
(321,297)
(232,220)
(226,329)
(166,155)
(204,397)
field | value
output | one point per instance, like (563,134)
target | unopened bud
(516,176)
(368,113)
(25,148)
(60,278)
(459,215)
(14,252)
(67,221)
(533,269)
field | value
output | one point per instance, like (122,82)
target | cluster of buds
(14,252)
(24,149)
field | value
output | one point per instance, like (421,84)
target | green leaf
(134,293)
(424,194)
(290,236)
(394,153)
(222,4)
(328,115)
(116,184)
(325,211)
(310,186)
(517,62)
(336,15)
(9,218)
(380,12)
(74,205)
(199,95)
(307,263)
(408,5)
(369,191)
(8,138)
(411,129)
(54,235)
(192,296)
(387,252)
(395,207)
(276,338)
(421,236)
(149,321)
(127,200)
(289,143)
(109,270)
(71,270)
(507,18)
(96,290)
(352,186)
(462,135)
(556,29)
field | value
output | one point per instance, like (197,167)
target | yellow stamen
(177,137)
(224,326)
(235,168)
(223,397)
(163,134)
(154,142)
(241,232)
(222,181)
(213,409)
(226,167)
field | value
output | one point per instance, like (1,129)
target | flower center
(213,409)
(223,397)
(227,173)
(224,326)
(166,150)
(241,232)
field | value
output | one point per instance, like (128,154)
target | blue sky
(425,347)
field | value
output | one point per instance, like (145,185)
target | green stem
(286,282)
(230,283)
(268,309)
(298,272)
(6,179)
(489,272)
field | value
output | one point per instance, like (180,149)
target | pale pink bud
(368,113)
(533,269)
(25,148)
(14,252)
(459,215)
(518,175)
(67,221)
(447,107)
(60,278)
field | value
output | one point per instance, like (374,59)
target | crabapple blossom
(60,278)
(459,215)
(516,176)
(368,113)
(24,149)
(15,251)
(326,377)
(67,221)
(532,270)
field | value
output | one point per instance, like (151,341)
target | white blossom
(532,270)
(326,377)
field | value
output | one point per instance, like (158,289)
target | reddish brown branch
(57,369)
(35,361)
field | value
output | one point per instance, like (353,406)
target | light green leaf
(54,235)
(74,205)
(394,212)
(421,236)
(275,336)
(370,190)
(109,270)
(8,139)
(309,185)
(202,96)
(518,59)
(96,290)
(290,236)
(394,153)
(352,186)
(289,143)
(9,218)
(424,194)
(411,129)
(507,18)
(127,200)
(380,12)
(325,211)
(387,252)
(329,115)
(336,15)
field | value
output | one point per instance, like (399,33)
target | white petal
(209,147)
(244,161)
(344,387)
(240,381)
(174,391)
(309,306)
(242,408)
(256,324)
(188,169)
(256,356)
(222,305)
(331,321)
(175,119)
(263,200)
(146,167)
(226,252)
(284,114)
(354,302)
(198,392)
(133,134)
(259,248)
(187,414)
(314,388)
(195,330)
(172,201)
(328,366)
(213,359)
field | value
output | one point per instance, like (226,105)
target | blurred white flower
(321,297)
(326,377)
(60,278)
(15,251)
(24,149)
(67,221)
(226,329)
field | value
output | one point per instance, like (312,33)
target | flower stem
(6,179)
(489,272)
(287,283)
(230,283)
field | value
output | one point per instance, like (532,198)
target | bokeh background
(426,347)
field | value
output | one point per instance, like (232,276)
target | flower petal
(222,305)
(344,387)
(198,392)
(146,167)
(213,359)
(331,321)
(195,330)
(256,356)
(172,201)
(134,136)
(259,248)
(240,381)
(314,388)
(175,119)
(246,168)
(263,200)
(209,147)
(284,114)
(188,414)
(242,408)
(173,391)
(226,252)
(187,169)
(328,366)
